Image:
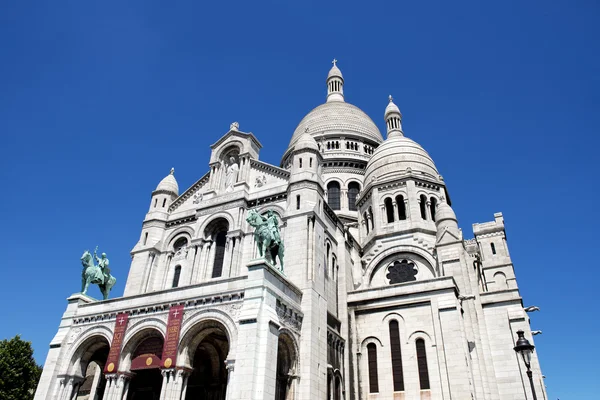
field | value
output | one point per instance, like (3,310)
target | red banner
(112,363)
(169,354)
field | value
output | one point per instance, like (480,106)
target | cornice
(267,199)
(190,192)
(262,166)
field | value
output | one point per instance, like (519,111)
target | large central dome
(340,118)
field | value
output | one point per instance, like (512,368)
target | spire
(393,119)
(335,84)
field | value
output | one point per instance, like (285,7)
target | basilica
(374,292)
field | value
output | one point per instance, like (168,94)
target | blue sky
(99,100)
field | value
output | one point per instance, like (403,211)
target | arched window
(145,238)
(423,205)
(353,190)
(422,364)
(338,389)
(432,208)
(155,201)
(401,207)
(300,162)
(397,373)
(493,248)
(220,241)
(164,202)
(333,195)
(366,220)
(217,232)
(389,210)
(176,276)
(297,202)
(372,361)
(327,259)
(179,243)
(500,281)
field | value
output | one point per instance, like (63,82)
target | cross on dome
(172,171)
(391,98)
(334,62)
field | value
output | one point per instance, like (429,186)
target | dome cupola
(398,155)
(393,119)
(306,142)
(335,84)
(169,184)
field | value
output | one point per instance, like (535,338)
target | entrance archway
(92,364)
(208,379)
(146,380)
(286,367)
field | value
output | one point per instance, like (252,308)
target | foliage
(19,373)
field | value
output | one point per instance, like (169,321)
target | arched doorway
(286,366)
(208,379)
(91,366)
(146,380)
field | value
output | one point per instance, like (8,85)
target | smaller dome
(306,142)
(169,183)
(334,71)
(397,156)
(391,108)
(444,212)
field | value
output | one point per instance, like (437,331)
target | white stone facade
(381,296)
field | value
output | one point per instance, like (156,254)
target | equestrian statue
(96,274)
(267,236)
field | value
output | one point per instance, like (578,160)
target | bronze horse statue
(94,274)
(268,239)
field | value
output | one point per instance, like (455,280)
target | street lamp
(525,349)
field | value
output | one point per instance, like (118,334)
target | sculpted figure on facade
(96,274)
(267,236)
(260,181)
(232,173)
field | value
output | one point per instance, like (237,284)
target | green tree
(19,373)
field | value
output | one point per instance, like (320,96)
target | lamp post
(525,349)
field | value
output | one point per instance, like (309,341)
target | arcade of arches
(202,372)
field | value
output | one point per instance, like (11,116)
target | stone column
(428,210)
(227,257)
(236,255)
(71,385)
(210,260)
(166,383)
(167,266)
(122,383)
(95,382)
(147,272)
(200,273)
(111,380)
(179,384)
(196,263)
(344,199)
(407,208)
(229,365)
(59,388)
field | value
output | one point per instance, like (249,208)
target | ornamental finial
(172,171)
(391,98)
(334,61)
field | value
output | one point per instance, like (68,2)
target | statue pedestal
(258,331)
(80,298)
